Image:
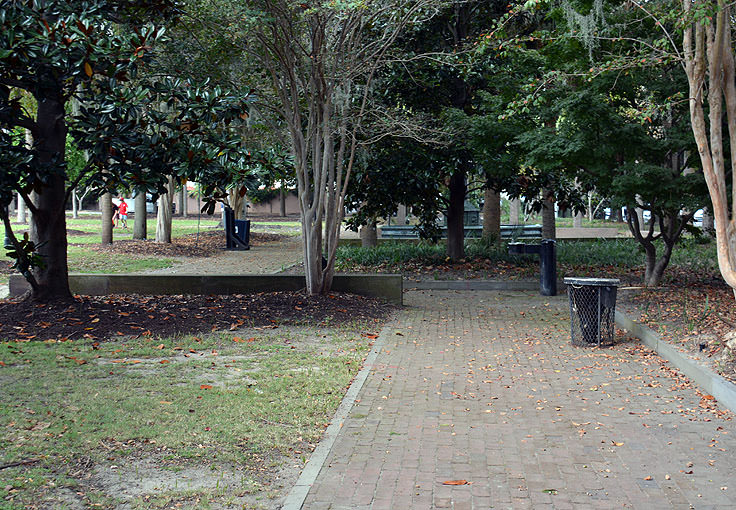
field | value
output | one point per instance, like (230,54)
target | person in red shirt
(123,210)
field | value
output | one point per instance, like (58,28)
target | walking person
(123,212)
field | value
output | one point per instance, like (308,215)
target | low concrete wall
(386,286)
(723,390)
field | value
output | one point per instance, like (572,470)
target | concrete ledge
(723,390)
(386,286)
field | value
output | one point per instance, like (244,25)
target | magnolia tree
(320,60)
(709,65)
(136,133)
(53,50)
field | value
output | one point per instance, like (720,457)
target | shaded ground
(693,309)
(100,318)
(695,316)
(221,421)
(524,267)
(204,244)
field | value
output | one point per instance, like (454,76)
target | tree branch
(18,248)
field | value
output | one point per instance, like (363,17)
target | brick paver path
(485,387)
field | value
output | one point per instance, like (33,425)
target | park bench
(237,232)
(471,231)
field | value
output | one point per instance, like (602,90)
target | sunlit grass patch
(247,398)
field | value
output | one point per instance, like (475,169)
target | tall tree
(441,81)
(708,54)
(615,127)
(320,61)
(52,50)
(92,51)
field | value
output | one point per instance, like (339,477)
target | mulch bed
(204,244)
(107,317)
(692,314)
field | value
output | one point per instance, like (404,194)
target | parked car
(698,218)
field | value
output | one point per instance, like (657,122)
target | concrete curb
(295,499)
(476,285)
(723,390)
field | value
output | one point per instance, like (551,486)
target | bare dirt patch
(155,477)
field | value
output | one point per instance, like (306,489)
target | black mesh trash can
(592,310)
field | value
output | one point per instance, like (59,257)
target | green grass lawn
(86,230)
(244,399)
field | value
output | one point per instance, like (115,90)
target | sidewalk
(484,387)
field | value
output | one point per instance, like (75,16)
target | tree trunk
(282,201)
(75,205)
(182,200)
(708,226)
(577,220)
(650,253)
(369,235)
(514,211)
(655,267)
(312,245)
(455,210)
(492,215)
(48,221)
(185,205)
(21,212)
(106,210)
(164,216)
(140,220)
(640,214)
(709,66)
(549,230)
(401,212)
(236,201)
(618,215)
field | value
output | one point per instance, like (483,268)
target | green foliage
(390,253)
(442,93)
(604,254)
(129,132)
(600,252)
(25,256)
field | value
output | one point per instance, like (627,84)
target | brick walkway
(485,387)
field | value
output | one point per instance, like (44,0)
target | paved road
(485,387)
